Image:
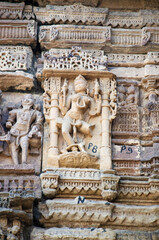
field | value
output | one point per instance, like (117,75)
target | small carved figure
(23,124)
(121,95)
(47,101)
(132,95)
(13,232)
(73,108)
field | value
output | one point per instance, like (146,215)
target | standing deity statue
(23,123)
(74,107)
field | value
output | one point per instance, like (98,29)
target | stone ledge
(69,212)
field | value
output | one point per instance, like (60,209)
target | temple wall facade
(79,120)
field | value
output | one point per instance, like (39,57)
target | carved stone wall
(79,128)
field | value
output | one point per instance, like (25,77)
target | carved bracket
(109,186)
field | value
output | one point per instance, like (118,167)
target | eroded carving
(69,35)
(73,108)
(73,13)
(23,32)
(127,119)
(24,124)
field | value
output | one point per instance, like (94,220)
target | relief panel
(21,133)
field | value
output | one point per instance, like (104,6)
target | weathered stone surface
(69,35)
(91,233)
(14,58)
(94,184)
(96,172)
(76,233)
(18,80)
(18,32)
(11,10)
(81,212)
(21,134)
(73,13)
(71,182)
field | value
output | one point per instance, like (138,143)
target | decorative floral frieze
(67,35)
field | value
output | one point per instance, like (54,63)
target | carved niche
(127,114)
(151,104)
(21,133)
(75,102)
(73,112)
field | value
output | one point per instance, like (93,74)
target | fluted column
(108,113)
(52,88)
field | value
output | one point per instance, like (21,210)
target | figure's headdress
(80,79)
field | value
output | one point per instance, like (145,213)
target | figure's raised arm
(11,118)
(95,106)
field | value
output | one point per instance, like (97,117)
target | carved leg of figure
(14,151)
(66,129)
(24,145)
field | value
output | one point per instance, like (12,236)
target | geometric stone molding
(64,213)
(91,234)
(73,13)
(136,167)
(16,11)
(132,60)
(137,19)
(71,182)
(76,233)
(89,15)
(78,209)
(69,35)
(11,10)
(63,182)
(18,32)
(134,37)
(137,189)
